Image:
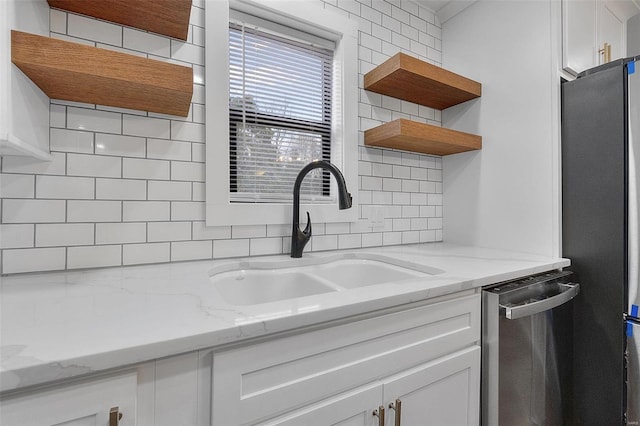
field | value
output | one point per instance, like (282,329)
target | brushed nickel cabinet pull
(379,413)
(397,407)
(114,416)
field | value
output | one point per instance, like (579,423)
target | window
(279,113)
(285,95)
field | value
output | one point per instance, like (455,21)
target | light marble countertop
(64,324)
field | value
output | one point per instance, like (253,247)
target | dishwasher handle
(569,291)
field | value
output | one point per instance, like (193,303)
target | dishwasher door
(527,351)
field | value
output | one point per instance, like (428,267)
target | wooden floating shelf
(405,77)
(412,136)
(167,17)
(74,72)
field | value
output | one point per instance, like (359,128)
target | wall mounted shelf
(74,72)
(410,79)
(167,17)
(412,136)
(405,77)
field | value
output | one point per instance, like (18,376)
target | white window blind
(279,114)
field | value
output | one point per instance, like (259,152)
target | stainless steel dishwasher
(527,351)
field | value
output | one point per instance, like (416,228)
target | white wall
(633,36)
(506,195)
(127,187)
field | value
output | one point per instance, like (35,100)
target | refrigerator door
(633,373)
(633,69)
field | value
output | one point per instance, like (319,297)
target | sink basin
(352,273)
(256,282)
(251,287)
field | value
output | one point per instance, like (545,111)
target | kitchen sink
(251,287)
(257,282)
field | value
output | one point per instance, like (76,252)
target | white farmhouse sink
(256,282)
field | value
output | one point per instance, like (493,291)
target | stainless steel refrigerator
(600,234)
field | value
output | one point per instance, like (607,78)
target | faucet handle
(307,229)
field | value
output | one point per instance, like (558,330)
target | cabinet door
(81,404)
(578,35)
(443,392)
(611,30)
(349,409)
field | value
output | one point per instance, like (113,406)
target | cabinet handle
(379,413)
(397,407)
(606,53)
(114,416)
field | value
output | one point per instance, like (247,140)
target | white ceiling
(446,9)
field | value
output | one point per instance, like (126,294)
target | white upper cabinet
(593,32)
(24,108)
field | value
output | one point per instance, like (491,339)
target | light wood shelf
(167,17)
(412,136)
(75,72)
(408,78)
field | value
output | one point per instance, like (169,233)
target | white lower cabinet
(106,401)
(427,357)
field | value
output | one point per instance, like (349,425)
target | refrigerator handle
(569,291)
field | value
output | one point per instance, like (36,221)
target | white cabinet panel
(351,409)
(80,404)
(443,392)
(264,380)
(611,30)
(578,35)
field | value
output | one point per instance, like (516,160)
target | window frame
(307,17)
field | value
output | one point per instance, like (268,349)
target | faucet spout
(300,238)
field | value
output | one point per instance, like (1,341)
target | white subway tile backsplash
(170,191)
(203,232)
(71,141)
(94,165)
(16,236)
(191,250)
(17,164)
(33,259)
(188,210)
(131,184)
(185,131)
(265,246)
(118,145)
(136,254)
(187,52)
(120,189)
(16,186)
(32,211)
(168,150)
(145,211)
(188,171)
(168,231)
(146,42)
(93,120)
(92,29)
(64,234)
(94,256)
(230,248)
(93,211)
(57,116)
(64,187)
(57,21)
(138,168)
(121,233)
(145,126)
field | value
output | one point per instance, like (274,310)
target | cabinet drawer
(259,381)
(84,403)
